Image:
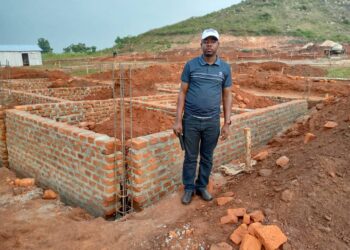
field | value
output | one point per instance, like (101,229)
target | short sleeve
(185,76)
(228,79)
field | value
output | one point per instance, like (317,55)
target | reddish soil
(27,73)
(144,122)
(314,217)
(143,79)
(249,101)
(72,82)
(278,67)
(279,76)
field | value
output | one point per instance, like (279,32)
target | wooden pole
(248,149)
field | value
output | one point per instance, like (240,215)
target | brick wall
(78,164)
(76,93)
(3,147)
(58,155)
(25,84)
(9,99)
(73,112)
(155,161)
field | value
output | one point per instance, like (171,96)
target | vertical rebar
(122,128)
(131,127)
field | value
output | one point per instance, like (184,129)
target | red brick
(309,137)
(246,219)
(261,155)
(239,233)
(138,143)
(111,190)
(249,242)
(239,212)
(282,161)
(138,180)
(229,219)
(109,167)
(108,182)
(252,228)
(153,140)
(152,167)
(223,200)
(271,236)
(49,195)
(330,124)
(257,216)
(138,171)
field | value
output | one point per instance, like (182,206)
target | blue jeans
(200,136)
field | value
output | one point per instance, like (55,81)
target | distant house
(20,55)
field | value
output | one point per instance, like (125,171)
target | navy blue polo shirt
(206,83)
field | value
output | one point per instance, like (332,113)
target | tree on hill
(79,48)
(44,45)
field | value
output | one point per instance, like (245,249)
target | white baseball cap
(210,32)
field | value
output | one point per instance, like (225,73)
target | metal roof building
(20,55)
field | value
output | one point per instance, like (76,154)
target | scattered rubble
(282,161)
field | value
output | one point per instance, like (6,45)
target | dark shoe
(204,194)
(187,197)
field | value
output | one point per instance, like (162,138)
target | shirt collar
(203,62)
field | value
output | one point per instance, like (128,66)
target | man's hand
(177,128)
(225,131)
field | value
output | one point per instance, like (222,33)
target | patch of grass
(343,72)
(83,72)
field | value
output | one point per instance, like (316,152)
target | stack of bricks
(78,164)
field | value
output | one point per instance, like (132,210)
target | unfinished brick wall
(38,145)
(25,84)
(155,161)
(78,164)
(73,112)
(24,98)
(3,147)
(76,93)
(9,99)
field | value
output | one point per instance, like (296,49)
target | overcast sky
(93,22)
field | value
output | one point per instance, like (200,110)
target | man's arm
(180,108)
(227,104)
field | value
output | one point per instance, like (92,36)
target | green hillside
(314,20)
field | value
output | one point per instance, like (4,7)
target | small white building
(20,55)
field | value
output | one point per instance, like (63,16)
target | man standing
(205,81)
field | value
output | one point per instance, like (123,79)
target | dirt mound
(144,122)
(279,76)
(246,100)
(28,73)
(143,79)
(297,70)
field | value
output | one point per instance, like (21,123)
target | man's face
(209,46)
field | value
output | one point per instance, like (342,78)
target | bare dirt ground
(144,122)
(313,216)
(23,72)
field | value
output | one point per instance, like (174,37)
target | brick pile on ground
(251,234)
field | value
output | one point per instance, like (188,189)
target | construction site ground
(308,199)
